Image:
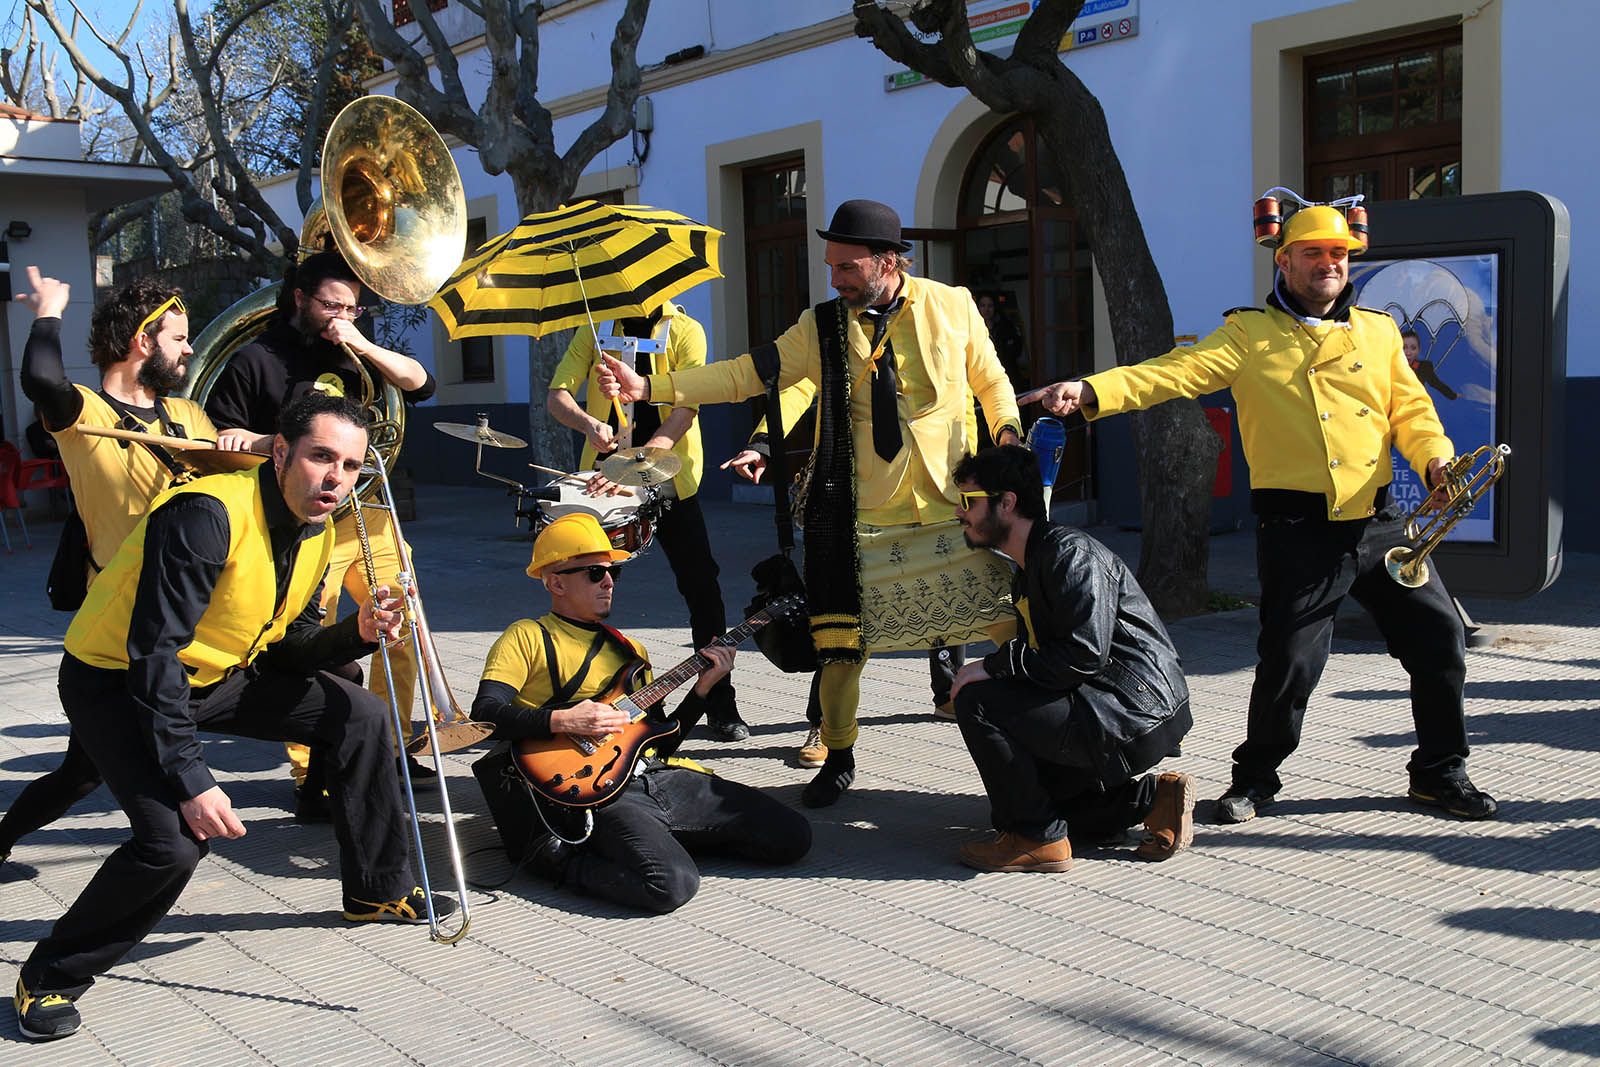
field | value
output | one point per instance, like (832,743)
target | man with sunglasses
(302,350)
(139,340)
(540,680)
(1063,719)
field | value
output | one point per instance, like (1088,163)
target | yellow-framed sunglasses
(969,495)
(172,303)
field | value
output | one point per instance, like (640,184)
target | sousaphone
(393,206)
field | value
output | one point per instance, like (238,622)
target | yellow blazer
(1319,407)
(954,361)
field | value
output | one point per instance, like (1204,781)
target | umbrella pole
(622,416)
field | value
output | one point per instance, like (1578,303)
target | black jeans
(1307,566)
(140,881)
(640,853)
(683,537)
(1039,786)
(47,798)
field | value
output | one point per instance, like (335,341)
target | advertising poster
(1448,311)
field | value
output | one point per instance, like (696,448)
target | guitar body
(589,772)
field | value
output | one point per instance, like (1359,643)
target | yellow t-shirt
(517,658)
(114,481)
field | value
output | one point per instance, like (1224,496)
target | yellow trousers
(346,573)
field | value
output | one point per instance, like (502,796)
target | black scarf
(832,552)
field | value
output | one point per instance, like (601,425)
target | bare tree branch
(616,121)
(340,15)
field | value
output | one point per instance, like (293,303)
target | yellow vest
(114,481)
(1318,406)
(239,621)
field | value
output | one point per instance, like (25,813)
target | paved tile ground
(1349,927)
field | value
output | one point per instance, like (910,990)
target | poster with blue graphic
(1448,311)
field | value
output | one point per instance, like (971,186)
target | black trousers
(943,663)
(48,797)
(1038,786)
(1307,566)
(140,881)
(683,537)
(640,854)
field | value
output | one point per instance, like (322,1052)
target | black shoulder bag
(786,641)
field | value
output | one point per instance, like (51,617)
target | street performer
(1063,719)
(207,618)
(540,680)
(893,360)
(1324,391)
(311,344)
(681,529)
(139,340)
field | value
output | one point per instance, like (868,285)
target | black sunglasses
(597,571)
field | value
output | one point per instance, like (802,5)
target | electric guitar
(588,772)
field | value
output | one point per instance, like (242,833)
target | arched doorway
(1021,252)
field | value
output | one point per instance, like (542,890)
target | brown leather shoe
(1170,824)
(1013,852)
(813,753)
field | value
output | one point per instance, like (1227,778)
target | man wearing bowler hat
(894,363)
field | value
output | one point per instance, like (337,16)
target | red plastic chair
(10,497)
(46,474)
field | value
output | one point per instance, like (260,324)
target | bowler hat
(866,222)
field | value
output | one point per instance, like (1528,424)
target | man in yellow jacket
(894,364)
(207,618)
(1323,390)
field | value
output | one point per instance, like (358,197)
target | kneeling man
(540,681)
(207,618)
(1064,718)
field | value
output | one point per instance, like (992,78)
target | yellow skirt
(921,585)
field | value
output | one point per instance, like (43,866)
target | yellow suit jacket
(1319,407)
(953,360)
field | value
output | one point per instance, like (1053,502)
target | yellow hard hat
(570,536)
(1321,223)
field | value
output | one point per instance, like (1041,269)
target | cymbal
(480,434)
(641,466)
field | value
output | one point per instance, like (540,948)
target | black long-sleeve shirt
(186,546)
(44,376)
(268,374)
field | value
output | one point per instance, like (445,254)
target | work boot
(813,753)
(1013,852)
(837,774)
(1239,804)
(1454,794)
(1170,824)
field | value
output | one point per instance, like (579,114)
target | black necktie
(885,387)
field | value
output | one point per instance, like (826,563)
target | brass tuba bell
(393,206)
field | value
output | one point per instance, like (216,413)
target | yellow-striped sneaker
(411,908)
(43,1015)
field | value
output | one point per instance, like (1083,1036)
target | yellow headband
(174,302)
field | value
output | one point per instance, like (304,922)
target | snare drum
(628,520)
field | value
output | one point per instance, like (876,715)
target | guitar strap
(561,692)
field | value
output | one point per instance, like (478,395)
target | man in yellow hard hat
(1324,391)
(542,678)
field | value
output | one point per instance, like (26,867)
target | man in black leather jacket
(1063,719)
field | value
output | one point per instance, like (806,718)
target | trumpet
(1465,482)
(436,697)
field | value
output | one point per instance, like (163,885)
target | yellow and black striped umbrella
(581,263)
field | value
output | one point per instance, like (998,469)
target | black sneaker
(1240,805)
(423,776)
(838,774)
(1458,796)
(411,908)
(728,729)
(45,1016)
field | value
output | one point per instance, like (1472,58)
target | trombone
(1465,481)
(436,697)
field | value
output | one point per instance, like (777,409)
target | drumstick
(624,490)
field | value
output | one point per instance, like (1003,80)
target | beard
(160,374)
(872,293)
(983,534)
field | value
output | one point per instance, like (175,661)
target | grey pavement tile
(1346,926)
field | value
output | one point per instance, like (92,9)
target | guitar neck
(636,703)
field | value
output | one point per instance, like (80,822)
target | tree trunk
(1174,446)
